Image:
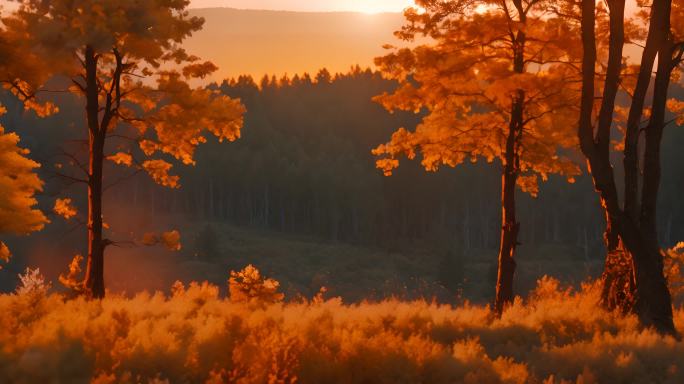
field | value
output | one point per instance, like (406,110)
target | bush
(249,286)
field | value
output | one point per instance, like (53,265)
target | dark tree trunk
(653,303)
(94,278)
(510,227)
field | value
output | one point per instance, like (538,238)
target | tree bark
(653,302)
(94,279)
(657,33)
(510,227)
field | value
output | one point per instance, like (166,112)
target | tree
(625,227)
(495,84)
(18,185)
(20,72)
(125,59)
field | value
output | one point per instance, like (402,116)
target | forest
(498,200)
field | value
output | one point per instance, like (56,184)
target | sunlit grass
(196,336)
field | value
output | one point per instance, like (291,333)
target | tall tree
(125,59)
(496,84)
(624,227)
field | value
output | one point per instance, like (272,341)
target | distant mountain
(278,42)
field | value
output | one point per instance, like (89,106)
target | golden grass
(195,336)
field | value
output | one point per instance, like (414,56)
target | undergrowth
(556,335)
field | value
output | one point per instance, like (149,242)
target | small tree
(125,59)
(497,85)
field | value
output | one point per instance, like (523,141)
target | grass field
(196,335)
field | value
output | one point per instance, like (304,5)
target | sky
(365,6)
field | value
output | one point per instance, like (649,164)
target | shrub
(248,285)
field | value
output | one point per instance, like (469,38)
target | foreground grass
(195,336)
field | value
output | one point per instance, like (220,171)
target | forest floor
(354,272)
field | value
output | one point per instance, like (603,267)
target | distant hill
(278,42)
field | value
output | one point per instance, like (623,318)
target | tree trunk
(509,240)
(94,279)
(657,34)
(510,227)
(653,302)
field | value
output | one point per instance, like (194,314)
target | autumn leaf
(170,240)
(121,158)
(64,208)
(677,108)
(5,253)
(159,171)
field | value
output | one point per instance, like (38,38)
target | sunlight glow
(369,7)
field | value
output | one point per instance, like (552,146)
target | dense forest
(314,176)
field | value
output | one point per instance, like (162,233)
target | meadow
(195,335)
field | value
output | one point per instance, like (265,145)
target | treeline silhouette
(303,166)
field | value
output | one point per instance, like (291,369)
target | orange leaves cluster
(136,44)
(185,114)
(72,279)
(248,285)
(677,108)
(159,171)
(171,240)
(18,185)
(121,158)
(65,208)
(464,80)
(5,253)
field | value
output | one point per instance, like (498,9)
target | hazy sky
(368,6)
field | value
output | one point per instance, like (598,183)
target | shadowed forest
(496,204)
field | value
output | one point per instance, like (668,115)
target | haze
(365,6)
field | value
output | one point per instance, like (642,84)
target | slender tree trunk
(509,235)
(510,227)
(657,34)
(654,134)
(94,279)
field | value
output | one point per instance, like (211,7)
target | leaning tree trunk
(94,278)
(653,302)
(618,275)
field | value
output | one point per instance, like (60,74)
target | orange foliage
(64,208)
(121,158)
(677,107)
(466,83)
(18,186)
(170,240)
(136,45)
(248,285)
(72,279)
(159,171)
